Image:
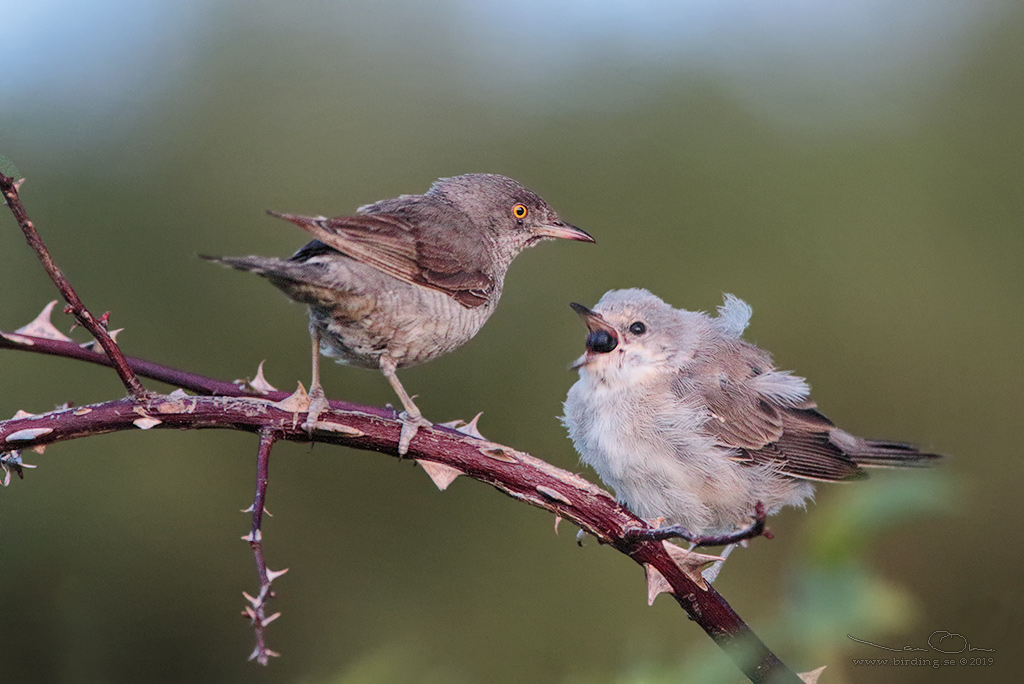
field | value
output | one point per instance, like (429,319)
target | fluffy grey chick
(688,422)
(409,279)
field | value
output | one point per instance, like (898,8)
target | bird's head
(518,216)
(633,335)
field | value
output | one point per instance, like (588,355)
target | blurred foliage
(852,170)
(832,588)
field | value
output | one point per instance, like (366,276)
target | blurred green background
(853,172)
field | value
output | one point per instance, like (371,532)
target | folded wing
(766,418)
(394,244)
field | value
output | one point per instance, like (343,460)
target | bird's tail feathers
(295,278)
(255,264)
(881,454)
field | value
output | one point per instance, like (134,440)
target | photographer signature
(940,640)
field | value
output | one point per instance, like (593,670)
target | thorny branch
(9,189)
(256,611)
(443,452)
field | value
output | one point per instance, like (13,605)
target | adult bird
(408,279)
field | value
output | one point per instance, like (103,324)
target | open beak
(593,320)
(565,231)
(602,338)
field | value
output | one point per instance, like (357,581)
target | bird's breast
(612,427)
(375,314)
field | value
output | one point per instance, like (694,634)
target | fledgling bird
(688,422)
(408,279)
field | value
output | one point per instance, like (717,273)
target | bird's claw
(410,426)
(635,534)
(317,405)
(755,529)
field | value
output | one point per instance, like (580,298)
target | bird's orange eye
(520,211)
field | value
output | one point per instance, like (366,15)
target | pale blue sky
(99,53)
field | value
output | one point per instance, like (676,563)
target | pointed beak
(565,231)
(592,319)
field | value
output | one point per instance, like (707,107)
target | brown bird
(408,279)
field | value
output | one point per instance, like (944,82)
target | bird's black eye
(520,211)
(637,328)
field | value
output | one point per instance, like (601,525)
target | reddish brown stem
(155,371)
(256,611)
(9,189)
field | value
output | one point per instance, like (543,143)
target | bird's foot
(755,529)
(659,534)
(317,405)
(410,425)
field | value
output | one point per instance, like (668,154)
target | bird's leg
(711,574)
(317,399)
(411,418)
(756,529)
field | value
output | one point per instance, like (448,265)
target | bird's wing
(395,245)
(765,418)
